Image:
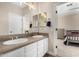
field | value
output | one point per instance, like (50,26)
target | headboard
(72,32)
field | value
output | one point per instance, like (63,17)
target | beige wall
(5,9)
(27,19)
(4,21)
(50,8)
(69,22)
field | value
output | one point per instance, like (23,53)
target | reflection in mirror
(26,22)
(39,22)
(10,19)
(14,18)
(42,19)
(43,22)
(15,23)
(35,23)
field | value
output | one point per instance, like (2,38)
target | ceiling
(60,3)
(21,4)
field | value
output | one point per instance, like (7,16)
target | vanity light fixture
(30,5)
(43,14)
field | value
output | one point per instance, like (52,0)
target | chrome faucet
(12,38)
(16,37)
(26,32)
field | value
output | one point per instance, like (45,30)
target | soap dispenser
(30,25)
(48,23)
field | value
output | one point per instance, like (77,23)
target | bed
(72,36)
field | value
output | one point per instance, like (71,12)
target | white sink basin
(38,36)
(15,41)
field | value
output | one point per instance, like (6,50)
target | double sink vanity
(31,46)
(17,20)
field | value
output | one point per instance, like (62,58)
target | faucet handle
(26,31)
(16,37)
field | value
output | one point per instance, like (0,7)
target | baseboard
(51,53)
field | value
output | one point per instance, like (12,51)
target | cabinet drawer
(31,46)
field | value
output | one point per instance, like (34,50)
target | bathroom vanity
(15,23)
(34,47)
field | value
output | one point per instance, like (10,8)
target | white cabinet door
(40,48)
(16,53)
(45,45)
(31,50)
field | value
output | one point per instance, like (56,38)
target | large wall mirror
(39,22)
(42,19)
(14,19)
(10,19)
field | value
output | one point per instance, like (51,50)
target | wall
(3,21)
(69,22)
(50,8)
(5,10)
(26,19)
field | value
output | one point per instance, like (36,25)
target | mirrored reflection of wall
(35,26)
(15,23)
(10,16)
(26,19)
(35,20)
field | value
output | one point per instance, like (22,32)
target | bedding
(72,36)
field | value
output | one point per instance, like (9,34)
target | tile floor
(67,51)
